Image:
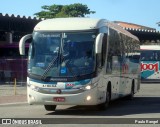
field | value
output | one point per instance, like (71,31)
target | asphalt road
(145,105)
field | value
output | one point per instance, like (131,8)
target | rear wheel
(105,105)
(50,107)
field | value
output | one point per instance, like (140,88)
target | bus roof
(69,24)
(65,24)
(150,47)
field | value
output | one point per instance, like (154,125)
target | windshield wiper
(52,63)
(66,62)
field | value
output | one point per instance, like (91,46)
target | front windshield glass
(62,54)
(150,55)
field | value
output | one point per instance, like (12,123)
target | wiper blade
(52,63)
(66,62)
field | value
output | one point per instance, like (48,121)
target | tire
(50,107)
(131,96)
(105,105)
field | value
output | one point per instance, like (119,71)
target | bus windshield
(150,55)
(67,54)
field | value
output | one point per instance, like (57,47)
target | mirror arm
(99,40)
(22,43)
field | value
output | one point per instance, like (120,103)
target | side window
(122,44)
(114,52)
(104,49)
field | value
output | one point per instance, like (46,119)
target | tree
(56,11)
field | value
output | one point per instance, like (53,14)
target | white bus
(150,63)
(80,61)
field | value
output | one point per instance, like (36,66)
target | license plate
(59,99)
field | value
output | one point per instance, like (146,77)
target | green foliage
(57,11)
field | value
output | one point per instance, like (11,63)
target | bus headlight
(35,88)
(89,87)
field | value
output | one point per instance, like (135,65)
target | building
(144,33)
(12,28)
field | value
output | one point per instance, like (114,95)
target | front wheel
(131,96)
(105,105)
(50,107)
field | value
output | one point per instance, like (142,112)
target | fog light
(88,98)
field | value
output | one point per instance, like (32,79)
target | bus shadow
(120,107)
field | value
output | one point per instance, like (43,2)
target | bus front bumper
(88,97)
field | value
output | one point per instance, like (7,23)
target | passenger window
(104,49)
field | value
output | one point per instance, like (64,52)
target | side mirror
(22,43)
(99,40)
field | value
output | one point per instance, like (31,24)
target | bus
(150,63)
(12,65)
(80,61)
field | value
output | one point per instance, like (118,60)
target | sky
(141,12)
